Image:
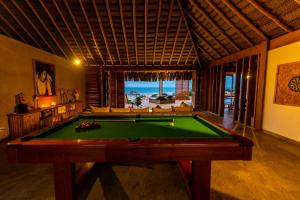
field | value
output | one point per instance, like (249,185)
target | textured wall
(281,119)
(16,75)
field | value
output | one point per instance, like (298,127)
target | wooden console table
(20,124)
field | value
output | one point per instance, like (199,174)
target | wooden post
(112,89)
(213,90)
(101,94)
(204,89)
(120,96)
(251,89)
(239,65)
(160,87)
(217,85)
(261,81)
(243,91)
(210,90)
(222,90)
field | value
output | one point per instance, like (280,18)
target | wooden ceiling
(147,32)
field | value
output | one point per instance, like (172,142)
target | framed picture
(287,87)
(44,78)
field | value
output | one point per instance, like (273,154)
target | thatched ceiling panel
(113,31)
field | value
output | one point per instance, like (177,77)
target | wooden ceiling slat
(21,25)
(33,26)
(206,43)
(208,18)
(91,31)
(187,58)
(70,31)
(46,28)
(176,37)
(5,31)
(225,18)
(12,28)
(134,31)
(167,30)
(146,31)
(182,49)
(245,20)
(112,29)
(207,32)
(269,15)
(194,61)
(189,31)
(156,31)
(57,28)
(124,31)
(99,21)
(78,30)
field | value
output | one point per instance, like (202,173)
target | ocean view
(149,90)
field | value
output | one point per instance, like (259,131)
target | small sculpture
(21,105)
(35,99)
(76,94)
(63,96)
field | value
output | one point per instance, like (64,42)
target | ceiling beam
(194,61)
(245,20)
(20,24)
(189,30)
(78,30)
(182,49)
(187,58)
(167,30)
(92,32)
(156,31)
(207,32)
(269,15)
(226,19)
(99,21)
(70,31)
(134,31)
(176,37)
(113,29)
(146,31)
(46,28)
(209,19)
(206,43)
(163,68)
(12,28)
(57,28)
(34,27)
(124,31)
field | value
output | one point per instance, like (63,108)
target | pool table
(131,138)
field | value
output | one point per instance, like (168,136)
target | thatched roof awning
(157,76)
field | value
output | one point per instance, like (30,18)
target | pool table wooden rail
(237,148)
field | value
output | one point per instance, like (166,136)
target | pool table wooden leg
(201,173)
(64,181)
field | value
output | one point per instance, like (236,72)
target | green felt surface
(185,127)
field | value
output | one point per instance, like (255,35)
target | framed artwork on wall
(287,87)
(44,78)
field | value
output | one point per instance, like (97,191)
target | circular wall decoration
(294,84)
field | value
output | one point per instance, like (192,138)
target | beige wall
(281,119)
(16,75)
